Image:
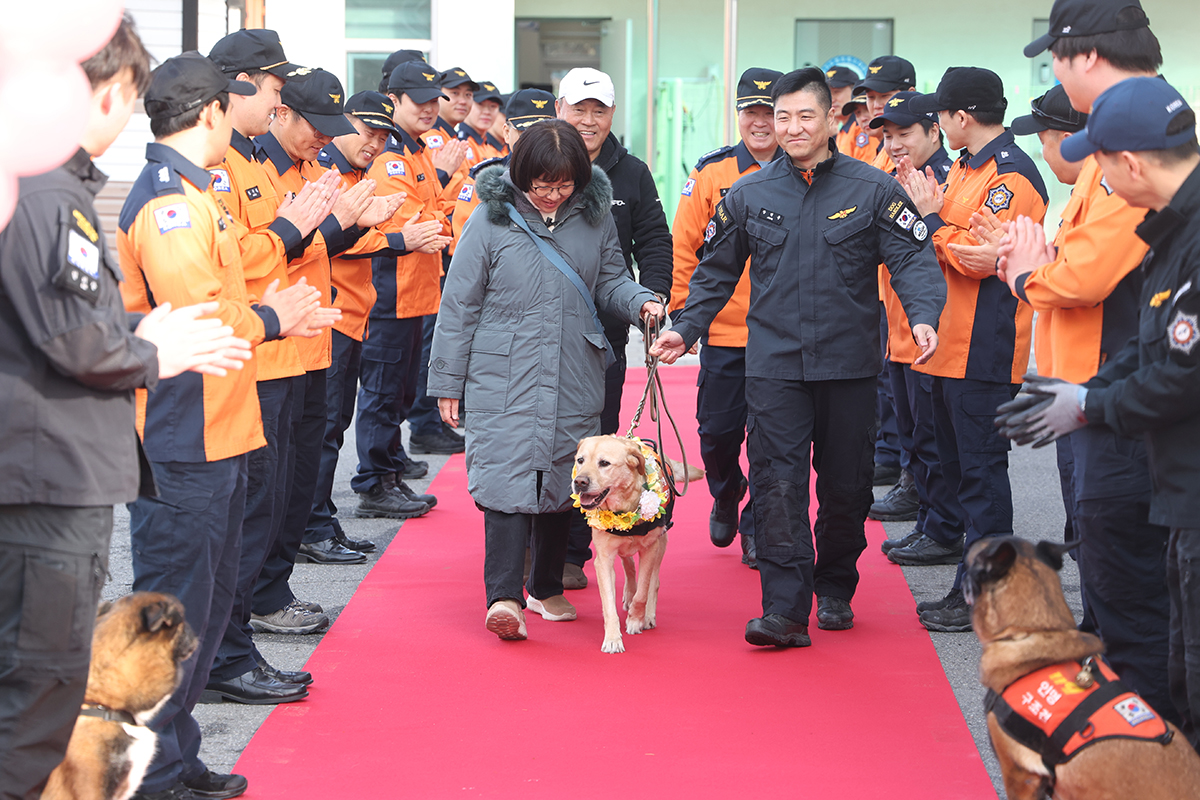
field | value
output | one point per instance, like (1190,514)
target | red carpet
(414,699)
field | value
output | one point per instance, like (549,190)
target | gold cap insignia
(875,69)
(845,212)
(459,73)
(895,101)
(489,87)
(762,84)
(830,73)
(1160,298)
(388,107)
(539,103)
(299,71)
(428,77)
(337,98)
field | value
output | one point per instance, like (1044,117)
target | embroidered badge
(467,192)
(920,231)
(171,217)
(253,193)
(1134,711)
(999,199)
(1159,298)
(85,225)
(433,140)
(724,192)
(83,254)
(776,218)
(395,168)
(421,177)
(221,181)
(845,212)
(164,174)
(1182,333)
(688,186)
(710,231)
(861,140)
(1104,185)
(907,219)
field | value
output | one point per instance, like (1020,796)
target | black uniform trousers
(785,417)
(974,455)
(341,389)
(187,542)
(266,495)
(391,360)
(1183,581)
(425,418)
(889,450)
(53,561)
(939,516)
(271,591)
(721,413)
(505,538)
(579,541)
(1123,561)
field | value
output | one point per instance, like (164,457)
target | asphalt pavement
(228,727)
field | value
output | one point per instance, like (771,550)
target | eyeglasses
(563,189)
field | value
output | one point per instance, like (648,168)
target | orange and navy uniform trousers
(721,385)
(408,289)
(178,245)
(354,294)
(984,333)
(264,241)
(938,514)
(1087,301)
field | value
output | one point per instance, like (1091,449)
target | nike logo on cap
(590,83)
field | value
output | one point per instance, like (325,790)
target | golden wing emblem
(830,74)
(337,98)
(459,73)
(388,108)
(539,103)
(895,101)
(762,84)
(845,212)
(875,69)
(428,77)
(1160,298)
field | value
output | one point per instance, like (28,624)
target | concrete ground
(228,727)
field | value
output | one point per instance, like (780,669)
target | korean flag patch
(999,199)
(688,186)
(83,254)
(171,217)
(468,191)
(434,141)
(1182,332)
(907,219)
(221,181)
(395,168)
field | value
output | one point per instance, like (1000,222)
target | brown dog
(610,475)
(137,649)
(1022,619)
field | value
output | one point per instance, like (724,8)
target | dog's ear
(637,461)
(1052,553)
(997,559)
(159,615)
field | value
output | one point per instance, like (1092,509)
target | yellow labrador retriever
(622,494)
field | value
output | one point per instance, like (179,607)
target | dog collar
(107,714)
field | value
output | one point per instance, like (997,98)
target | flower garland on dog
(655,500)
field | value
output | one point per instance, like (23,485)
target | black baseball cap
(889,74)
(187,81)
(488,91)
(374,109)
(457,76)
(416,79)
(529,106)
(754,87)
(900,111)
(1051,111)
(964,89)
(256,48)
(319,99)
(1133,115)
(1087,18)
(859,99)
(841,77)
(399,57)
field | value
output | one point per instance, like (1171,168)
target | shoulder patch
(166,181)
(221,181)
(83,254)
(901,218)
(467,192)
(1183,332)
(172,216)
(395,168)
(688,186)
(713,155)
(999,199)
(434,140)
(861,139)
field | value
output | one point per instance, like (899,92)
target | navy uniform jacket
(1152,387)
(814,255)
(68,359)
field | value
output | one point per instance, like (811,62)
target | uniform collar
(475,136)
(445,127)
(81,166)
(494,142)
(1158,225)
(989,150)
(809,175)
(940,158)
(403,143)
(243,145)
(268,148)
(744,158)
(849,123)
(338,160)
(162,154)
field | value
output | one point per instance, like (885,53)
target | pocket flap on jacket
(596,340)
(771,234)
(496,343)
(840,233)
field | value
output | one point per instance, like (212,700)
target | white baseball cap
(585,83)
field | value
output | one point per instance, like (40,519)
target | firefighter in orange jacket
(475,130)
(178,244)
(841,82)
(1086,290)
(721,398)
(853,139)
(407,289)
(987,331)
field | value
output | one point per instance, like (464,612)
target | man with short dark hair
(810,366)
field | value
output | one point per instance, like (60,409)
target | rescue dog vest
(1058,710)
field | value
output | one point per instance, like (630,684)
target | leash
(654,396)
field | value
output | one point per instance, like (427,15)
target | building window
(388,19)
(820,42)
(365,70)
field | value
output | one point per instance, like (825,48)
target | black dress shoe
(904,541)
(749,552)
(255,688)
(176,792)
(217,786)
(438,443)
(926,552)
(414,469)
(775,630)
(299,677)
(900,504)
(834,614)
(328,552)
(357,545)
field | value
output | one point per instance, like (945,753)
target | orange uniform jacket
(1087,297)
(468,200)
(354,290)
(434,139)
(985,331)
(408,286)
(483,146)
(855,142)
(704,188)
(243,184)
(178,245)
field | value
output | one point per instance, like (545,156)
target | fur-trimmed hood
(495,188)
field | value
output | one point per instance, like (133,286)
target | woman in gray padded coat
(516,343)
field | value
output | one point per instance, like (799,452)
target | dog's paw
(613,646)
(627,601)
(650,622)
(634,626)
